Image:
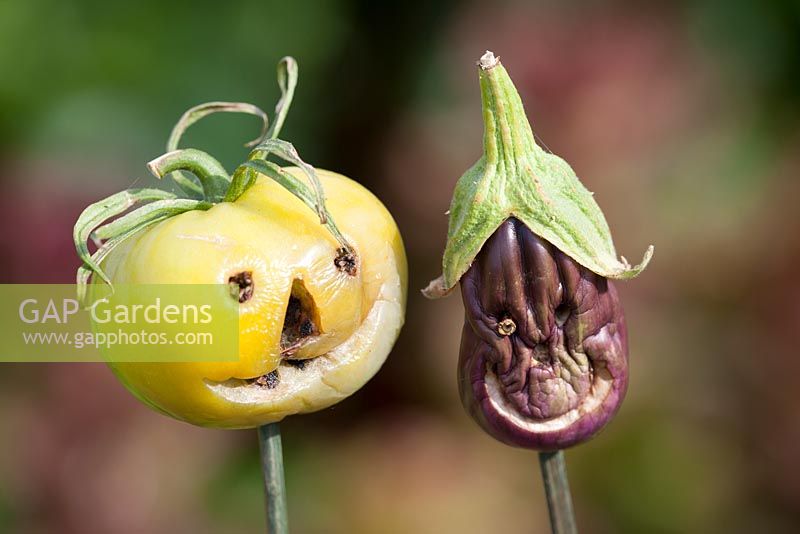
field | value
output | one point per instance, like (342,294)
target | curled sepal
(95,214)
(544,350)
(213,177)
(148,214)
(287,81)
(89,269)
(196,113)
(517,178)
(288,153)
(245,176)
(161,206)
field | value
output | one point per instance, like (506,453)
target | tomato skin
(272,235)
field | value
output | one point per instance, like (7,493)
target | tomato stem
(269,441)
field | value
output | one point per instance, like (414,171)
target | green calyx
(211,183)
(517,178)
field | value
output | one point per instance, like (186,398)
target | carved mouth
(497,395)
(289,377)
(301,323)
(546,380)
(301,328)
(543,360)
(324,379)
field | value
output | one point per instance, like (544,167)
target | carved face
(313,326)
(544,351)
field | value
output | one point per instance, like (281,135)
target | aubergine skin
(561,375)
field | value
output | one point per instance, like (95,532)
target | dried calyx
(517,178)
(543,361)
(211,184)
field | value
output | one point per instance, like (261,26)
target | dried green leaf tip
(517,178)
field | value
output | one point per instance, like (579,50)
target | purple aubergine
(544,350)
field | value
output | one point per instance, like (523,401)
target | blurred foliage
(760,46)
(93,75)
(682,117)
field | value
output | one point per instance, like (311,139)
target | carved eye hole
(346,262)
(241,286)
(506,327)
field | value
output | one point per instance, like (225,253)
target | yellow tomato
(311,331)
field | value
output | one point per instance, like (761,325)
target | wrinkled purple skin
(563,373)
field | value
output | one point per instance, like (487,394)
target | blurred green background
(683,118)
